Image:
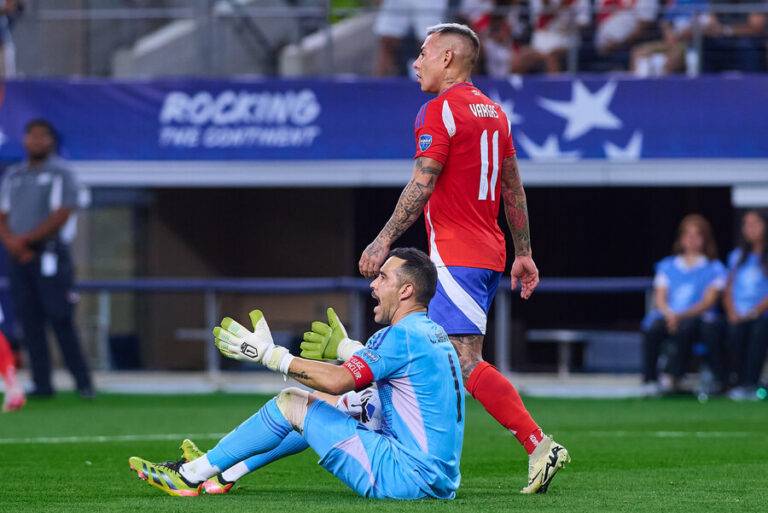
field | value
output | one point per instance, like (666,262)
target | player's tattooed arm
(412,200)
(331,379)
(515,206)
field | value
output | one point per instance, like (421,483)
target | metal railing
(357,290)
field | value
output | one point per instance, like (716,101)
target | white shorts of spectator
(615,22)
(546,41)
(397,17)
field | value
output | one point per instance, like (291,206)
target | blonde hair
(462,31)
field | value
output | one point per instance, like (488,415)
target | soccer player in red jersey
(464,165)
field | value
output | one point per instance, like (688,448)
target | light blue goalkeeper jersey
(418,376)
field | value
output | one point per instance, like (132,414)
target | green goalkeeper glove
(237,342)
(322,343)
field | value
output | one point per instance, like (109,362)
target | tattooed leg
(497,395)
(470,351)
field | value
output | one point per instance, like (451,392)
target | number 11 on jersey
(484,185)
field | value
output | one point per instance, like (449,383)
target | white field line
(671,434)
(95,439)
(48,440)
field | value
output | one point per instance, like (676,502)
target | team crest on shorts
(425,141)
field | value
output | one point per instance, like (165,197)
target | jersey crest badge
(425,141)
(370,356)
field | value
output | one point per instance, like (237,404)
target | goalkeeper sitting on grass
(417,451)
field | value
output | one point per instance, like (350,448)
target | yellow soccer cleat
(213,486)
(165,477)
(189,450)
(543,464)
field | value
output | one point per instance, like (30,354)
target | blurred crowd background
(378,37)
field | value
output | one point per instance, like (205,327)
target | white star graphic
(516,81)
(550,150)
(585,111)
(629,153)
(508,106)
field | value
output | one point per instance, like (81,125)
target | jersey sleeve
(661,277)
(5,193)
(431,130)
(64,191)
(386,359)
(733,259)
(718,276)
(509,149)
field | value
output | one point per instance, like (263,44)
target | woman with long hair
(686,289)
(746,305)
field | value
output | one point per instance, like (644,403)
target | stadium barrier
(357,289)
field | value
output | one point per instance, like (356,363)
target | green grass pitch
(628,455)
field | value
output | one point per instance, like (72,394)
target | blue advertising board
(568,119)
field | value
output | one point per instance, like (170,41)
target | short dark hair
(419,270)
(460,30)
(41,123)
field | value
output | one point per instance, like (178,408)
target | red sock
(7,362)
(500,398)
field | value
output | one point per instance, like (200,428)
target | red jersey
(469,134)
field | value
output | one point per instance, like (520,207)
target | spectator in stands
(556,32)
(499,26)
(620,24)
(37,198)
(668,55)
(686,288)
(9,11)
(395,21)
(746,305)
(736,40)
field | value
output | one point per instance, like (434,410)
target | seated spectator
(498,47)
(620,24)
(498,24)
(736,41)
(397,19)
(686,288)
(556,32)
(668,55)
(746,305)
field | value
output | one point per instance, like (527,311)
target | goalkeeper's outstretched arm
(324,377)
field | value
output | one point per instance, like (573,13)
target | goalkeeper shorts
(370,463)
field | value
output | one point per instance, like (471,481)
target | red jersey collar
(460,84)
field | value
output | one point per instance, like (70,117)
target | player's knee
(292,403)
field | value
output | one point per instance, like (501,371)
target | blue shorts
(370,463)
(463,298)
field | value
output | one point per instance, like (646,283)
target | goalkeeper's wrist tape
(347,347)
(278,358)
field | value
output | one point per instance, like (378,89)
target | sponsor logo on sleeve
(425,141)
(370,356)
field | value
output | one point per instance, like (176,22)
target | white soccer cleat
(548,457)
